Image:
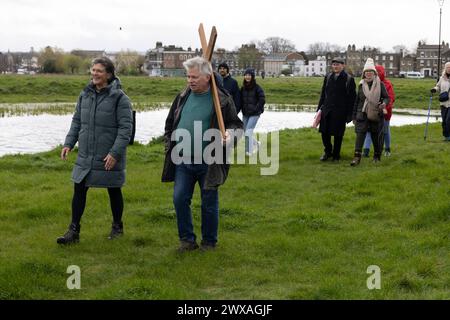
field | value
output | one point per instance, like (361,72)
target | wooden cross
(208,49)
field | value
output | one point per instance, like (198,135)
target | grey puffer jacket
(102,125)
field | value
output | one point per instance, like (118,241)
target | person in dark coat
(231,85)
(253,100)
(102,126)
(336,103)
(368,113)
(192,108)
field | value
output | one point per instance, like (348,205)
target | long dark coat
(336,102)
(102,125)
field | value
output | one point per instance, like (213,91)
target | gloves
(433,90)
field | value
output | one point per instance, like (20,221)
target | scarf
(372,94)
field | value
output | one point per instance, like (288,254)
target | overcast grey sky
(90,24)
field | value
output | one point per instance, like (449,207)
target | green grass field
(309,232)
(145,91)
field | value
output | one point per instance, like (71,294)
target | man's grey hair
(199,63)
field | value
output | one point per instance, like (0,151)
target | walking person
(443,87)
(368,112)
(231,85)
(253,100)
(387,116)
(191,107)
(102,126)
(336,105)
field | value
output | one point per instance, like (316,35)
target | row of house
(19,62)
(168,60)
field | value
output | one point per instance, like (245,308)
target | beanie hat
(250,71)
(370,66)
(223,65)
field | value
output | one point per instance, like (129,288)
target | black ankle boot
(116,230)
(71,236)
(325,156)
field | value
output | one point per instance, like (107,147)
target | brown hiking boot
(187,246)
(206,245)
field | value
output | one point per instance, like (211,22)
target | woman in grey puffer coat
(102,125)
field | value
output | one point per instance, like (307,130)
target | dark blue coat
(336,101)
(232,87)
(253,100)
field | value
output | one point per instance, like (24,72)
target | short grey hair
(199,63)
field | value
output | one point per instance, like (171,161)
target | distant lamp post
(441,4)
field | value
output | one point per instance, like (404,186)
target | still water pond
(37,133)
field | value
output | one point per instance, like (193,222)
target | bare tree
(401,48)
(423,41)
(322,48)
(276,45)
(129,62)
(371,48)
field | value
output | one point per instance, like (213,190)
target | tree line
(55,60)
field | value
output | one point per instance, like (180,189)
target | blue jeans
(249,124)
(186,176)
(387,137)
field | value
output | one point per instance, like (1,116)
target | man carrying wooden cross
(194,106)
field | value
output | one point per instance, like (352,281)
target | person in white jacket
(443,87)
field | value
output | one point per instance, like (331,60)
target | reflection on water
(31,134)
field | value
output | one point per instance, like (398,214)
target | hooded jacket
(102,125)
(253,97)
(389,89)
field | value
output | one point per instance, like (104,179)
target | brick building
(167,61)
(427,58)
